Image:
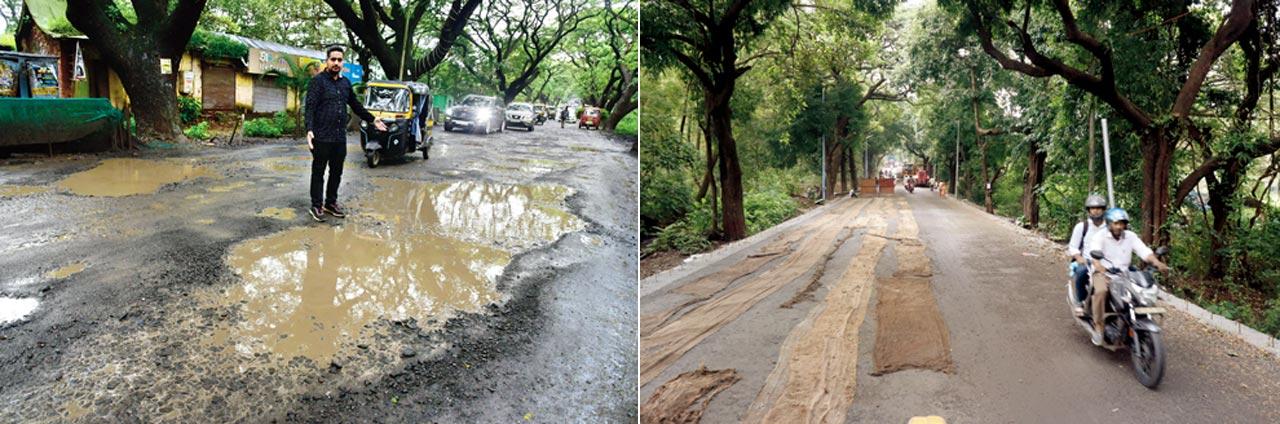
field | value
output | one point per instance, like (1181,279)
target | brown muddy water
(9,190)
(66,271)
(283,214)
(411,250)
(126,177)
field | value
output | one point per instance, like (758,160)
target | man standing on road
(328,96)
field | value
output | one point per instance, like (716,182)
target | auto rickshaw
(402,106)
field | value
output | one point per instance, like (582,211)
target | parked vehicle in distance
(521,115)
(590,118)
(476,113)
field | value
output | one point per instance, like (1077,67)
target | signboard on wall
(44,78)
(8,78)
(353,72)
(263,61)
(166,66)
(188,81)
(79,73)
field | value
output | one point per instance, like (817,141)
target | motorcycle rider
(1094,206)
(1117,245)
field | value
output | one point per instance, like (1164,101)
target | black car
(476,113)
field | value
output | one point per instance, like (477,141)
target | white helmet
(1095,201)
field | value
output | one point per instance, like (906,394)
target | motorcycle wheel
(1148,358)
(374,159)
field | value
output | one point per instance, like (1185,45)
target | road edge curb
(1243,332)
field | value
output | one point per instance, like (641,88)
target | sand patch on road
(684,398)
(910,332)
(816,371)
(670,342)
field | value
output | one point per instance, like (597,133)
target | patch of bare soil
(660,261)
(684,398)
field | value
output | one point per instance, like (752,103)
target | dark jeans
(1082,279)
(331,155)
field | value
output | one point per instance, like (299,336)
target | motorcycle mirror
(1096,254)
(1162,250)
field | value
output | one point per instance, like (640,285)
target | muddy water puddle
(9,190)
(66,271)
(411,250)
(283,214)
(126,177)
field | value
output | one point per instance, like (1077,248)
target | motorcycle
(909,184)
(1129,319)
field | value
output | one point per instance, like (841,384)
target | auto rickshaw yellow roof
(418,88)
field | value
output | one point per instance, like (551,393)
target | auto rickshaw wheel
(373,159)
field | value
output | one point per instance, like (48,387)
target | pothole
(127,177)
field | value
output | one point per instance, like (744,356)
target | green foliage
(188,109)
(263,127)
(198,131)
(766,208)
(1232,311)
(1270,322)
(7,42)
(628,125)
(688,235)
(215,45)
(286,123)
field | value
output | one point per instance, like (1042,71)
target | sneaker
(1078,310)
(335,210)
(316,214)
(1097,338)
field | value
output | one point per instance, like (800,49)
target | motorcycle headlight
(364,124)
(393,127)
(1146,296)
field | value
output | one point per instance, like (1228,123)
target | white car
(521,115)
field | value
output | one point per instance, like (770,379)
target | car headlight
(482,115)
(450,110)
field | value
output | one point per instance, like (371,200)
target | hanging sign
(79,73)
(166,66)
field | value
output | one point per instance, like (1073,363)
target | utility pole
(956,180)
(824,149)
(1106,158)
(1091,146)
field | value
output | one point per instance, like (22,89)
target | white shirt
(1073,247)
(1119,252)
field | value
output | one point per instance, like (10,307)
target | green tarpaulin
(40,121)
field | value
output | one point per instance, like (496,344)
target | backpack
(1084,230)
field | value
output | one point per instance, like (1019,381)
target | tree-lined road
(878,310)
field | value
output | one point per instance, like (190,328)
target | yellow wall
(191,63)
(244,90)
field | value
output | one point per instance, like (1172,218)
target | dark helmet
(1117,214)
(1095,201)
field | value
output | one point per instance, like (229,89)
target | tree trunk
(1035,177)
(151,96)
(1157,162)
(719,120)
(987,201)
(621,108)
(840,169)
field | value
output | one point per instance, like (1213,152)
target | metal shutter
(267,96)
(218,85)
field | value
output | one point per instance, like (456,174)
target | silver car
(521,115)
